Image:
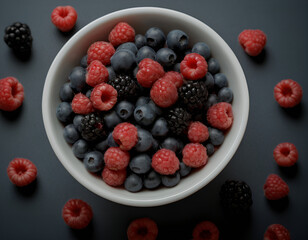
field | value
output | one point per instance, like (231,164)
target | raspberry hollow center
(192,64)
(205,234)
(20,170)
(285,151)
(76,212)
(286,91)
(105,98)
(63,13)
(143,231)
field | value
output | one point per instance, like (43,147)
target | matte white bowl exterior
(141,19)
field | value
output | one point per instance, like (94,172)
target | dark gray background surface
(35,212)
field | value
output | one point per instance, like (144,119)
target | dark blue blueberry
(177,67)
(172,144)
(220,81)
(177,40)
(77,122)
(160,128)
(211,100)
(124,109)
(152,180)
(66,93)
(140,41)
(128,46)
(111,119)
(64,112)
(123,61)
(93,161)
(155,145)
(145,140)
(213,66)
(102,145)
(202,48)
(225,94)
(133,183)
(209,81)
(84,61)
(111,74)
(145,52)
(210,149)
(77,79)
(88,93)
(156,109)
(166,57)
(135,71)
(171,180)
(140,164)
(155,38)
(111,142)
(184,169)
(80,148)
(216,136)
(144,115)
(70,133)
(142,101)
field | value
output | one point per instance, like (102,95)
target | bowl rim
(111,195)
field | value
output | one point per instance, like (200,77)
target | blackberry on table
(178,120)
(125,85)
(92,127)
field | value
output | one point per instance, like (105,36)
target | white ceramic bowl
(141,19)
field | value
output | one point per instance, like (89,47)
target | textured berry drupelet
(197,132)
(64,18)
(285,154)
(104,97)
(77,214)
(288,93)
(235,196)
(253,41)
(275,188)
(193,66)
(277,232)
(116,159)
(92,127)
(205,230)
(142,229)
(100,50)
(81,104)
(11,94)
(175,77)
(178,120)
(125,135)
(21,171)
(164,93)
(121,33)
(96,73)
(149,71)
(165,162)
(126,86)
(194,155)
(220,116)
(114,178)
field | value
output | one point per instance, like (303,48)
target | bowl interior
(142,19)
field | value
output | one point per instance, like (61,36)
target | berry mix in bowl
(145,113)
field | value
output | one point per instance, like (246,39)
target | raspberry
(175,77)
(121,33)
(104,97)
(285,154)
(193,66)
(148,72)
(288,93)
(194,155)
(276,232)
(21,171)
(142,229)
(116,159)
(77,214)
(197,132)
(81,104)
(205,230)
(220,115)
(101,51)
(125,135)
(252,41)
(164,93)
(96,73)
(165,162)
(64,18)
(275,188)
(114,178)
(11,94)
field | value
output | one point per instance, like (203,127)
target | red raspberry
(164,92)
(104,97)
(101,51)
(175,77)
(288,93)
(121,33)
(194,155)
(205,230)
(64,18)
(253,41)
(77,214)
(114,178)
(220,115)
(81,104)
(275,188)
(96,73)
(285,154)
(125,135)
(142,229)
(197,132)
(193,66)
(21,172)
(276,232)
(116,159)
(148,72)
(11,94)
(165,162)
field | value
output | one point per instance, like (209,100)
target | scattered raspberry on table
(11,94)
(285,154)
(253,41)
(277,232)
(21,172)
(288,93)
(205,230)
(275,188)
(142,229)
(64,18)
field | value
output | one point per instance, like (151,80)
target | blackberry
(193,94)
(125,85)
(18,37)
(92,127)
(235,196)
(178,120)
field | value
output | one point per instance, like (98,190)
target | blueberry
(80,148)
(135,71)
(66,93)
(102,145)
(84,61)
(64,112)
(155,38)
(70,133)
(177,67)
(124,109)
(216,136)
(184,169)
(140,41)
(202,48)
(111,74)
(144,115)
(133,183)
(152,180)
(210,149)
(211,100)
(225,94)
(171,180)
(145,52)
(177,40)
(155,145)
(111,119)
(213,66)
(142,101)
(77,122)
(110,141)
(123,61)
(77,79)
(140,164)
(88,93)
(160,128)
(172,144)
(166,57)
(145,140)
(220,81)
(128,46)
(155,108)
(209,81)
(93,161)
